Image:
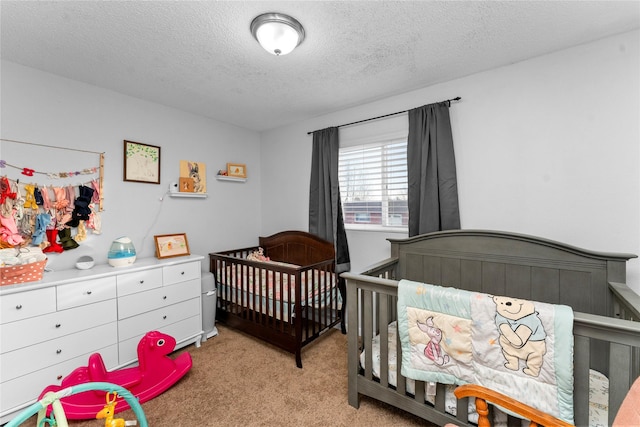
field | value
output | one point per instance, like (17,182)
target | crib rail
(626,303)
(372,303)
(384,269)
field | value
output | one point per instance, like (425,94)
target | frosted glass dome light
(277,33)
(121,252)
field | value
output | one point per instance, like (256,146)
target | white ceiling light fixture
(277,33)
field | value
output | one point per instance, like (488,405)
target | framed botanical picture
(236,170)
(170,245)
(141,162)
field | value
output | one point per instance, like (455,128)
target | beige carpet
(237,380)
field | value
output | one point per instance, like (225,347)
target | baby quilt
(521,348)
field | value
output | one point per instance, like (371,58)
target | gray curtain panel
(431,171)
(325,209)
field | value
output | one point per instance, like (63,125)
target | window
(373,184)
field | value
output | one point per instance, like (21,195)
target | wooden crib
(288,301)
(498,263)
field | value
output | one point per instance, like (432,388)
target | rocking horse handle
(111,401)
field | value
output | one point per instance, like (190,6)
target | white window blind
(373,184)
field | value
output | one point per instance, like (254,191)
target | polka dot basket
(22,273)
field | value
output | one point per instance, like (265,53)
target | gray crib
(499,263)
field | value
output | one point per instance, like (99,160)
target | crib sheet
(598,386)
(273,293)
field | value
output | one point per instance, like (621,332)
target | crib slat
(419,395)
(280,307)
(581,380)
(353,347)
(619,377)
(440,401)
(401,386)
(367,332)
(271,308)
(323,291)
(238,290)
(462,409)
(310,304)
(383,321)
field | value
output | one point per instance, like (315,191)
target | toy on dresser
(155,374)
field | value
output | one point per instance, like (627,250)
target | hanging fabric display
(54,218)
(31,213)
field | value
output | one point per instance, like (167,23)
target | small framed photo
(170,245)
(186,185)
(236,170)
(141,162)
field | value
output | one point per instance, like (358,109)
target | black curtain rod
(457,98)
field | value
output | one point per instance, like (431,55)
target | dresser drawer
(87,292)
(128,349)
(27,304)
(27,388)
(141,302)
(50,326)
(156,319)
(130,283)
(181,272)
(29,359)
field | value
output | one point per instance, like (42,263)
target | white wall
(547,147)
(45,109)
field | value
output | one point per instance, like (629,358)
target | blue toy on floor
(57,416)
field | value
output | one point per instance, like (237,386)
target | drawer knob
(141,282)
(58,351)
(59,377)
(164,317)
(88,292)
(58,325)
(182,273)
(18,307)
(164,297)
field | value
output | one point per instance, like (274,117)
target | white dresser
(50,327)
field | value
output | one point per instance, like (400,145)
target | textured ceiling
(200,56)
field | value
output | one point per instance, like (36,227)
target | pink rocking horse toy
(155,374)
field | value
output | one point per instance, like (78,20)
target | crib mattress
(281,310)
(598,386)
